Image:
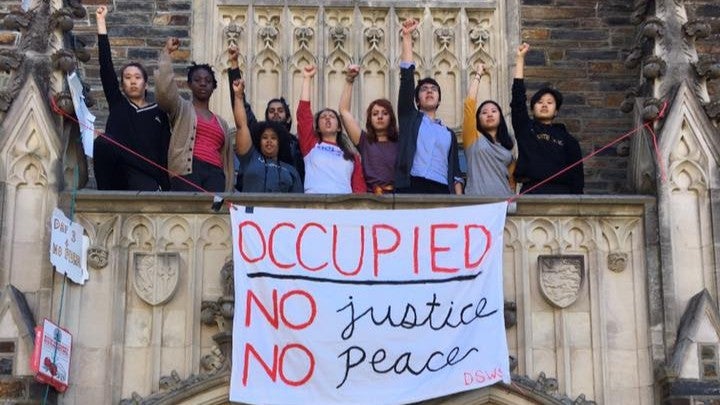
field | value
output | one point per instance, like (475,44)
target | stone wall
(138,30)
(579,47)
(708,10)
(597,346)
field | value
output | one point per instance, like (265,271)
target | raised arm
(406,97)
(108,78)
(518,102)
(520,60)
(100,13)
(469,128)
(168,97)
(233,74)
(304,114)
(349,122)
(243,142)
(408,27)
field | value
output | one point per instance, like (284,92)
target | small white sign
(67,251)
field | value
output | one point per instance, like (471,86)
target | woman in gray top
(488,145)
(264,156)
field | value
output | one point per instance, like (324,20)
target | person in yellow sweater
(488,145)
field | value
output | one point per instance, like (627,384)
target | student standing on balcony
(133,122)
(488,145)
(544,147)
(277,110)
(201,144)
(378,142)
(427,159)
(332,165)
(264,156)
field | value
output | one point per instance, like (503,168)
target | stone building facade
(644,326)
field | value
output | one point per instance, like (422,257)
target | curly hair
(284,153)
(194,67)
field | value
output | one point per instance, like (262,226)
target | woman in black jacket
(133,122)
(545,148)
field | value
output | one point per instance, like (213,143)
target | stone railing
(576,277)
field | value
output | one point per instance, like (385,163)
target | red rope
(647,125)
(101,134)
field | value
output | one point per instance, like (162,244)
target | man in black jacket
(427,159)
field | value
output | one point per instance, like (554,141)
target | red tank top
(209,140)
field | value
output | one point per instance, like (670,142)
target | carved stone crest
(156,276)
(561,278)
(97,257)
(617,262)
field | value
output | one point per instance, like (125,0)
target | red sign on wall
(51,356)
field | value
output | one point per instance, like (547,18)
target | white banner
(366,306)
(68,247)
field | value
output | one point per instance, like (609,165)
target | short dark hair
(427,80)
(281,100)
(194,67)
(137,65)
(547,90)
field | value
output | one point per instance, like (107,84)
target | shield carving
(561,278)
(156,276)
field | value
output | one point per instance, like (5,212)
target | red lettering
(377,251)
(241,244)
(298,246)
(416,250)
(311,365)
(468,245)
(271,372)
(311,303)
(468,378)
(272,319)
(361,249)
(271,245)
(434,249)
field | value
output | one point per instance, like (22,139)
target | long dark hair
(502,135)
(343,141)
(392,131)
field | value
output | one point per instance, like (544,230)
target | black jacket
(544,150)
(143,130)
(409,120)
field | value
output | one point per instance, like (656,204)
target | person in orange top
(488,145)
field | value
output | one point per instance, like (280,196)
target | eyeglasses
(429,87)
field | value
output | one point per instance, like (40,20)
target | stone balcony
(594,341)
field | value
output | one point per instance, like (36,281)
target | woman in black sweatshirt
(544,148)
(133,122)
